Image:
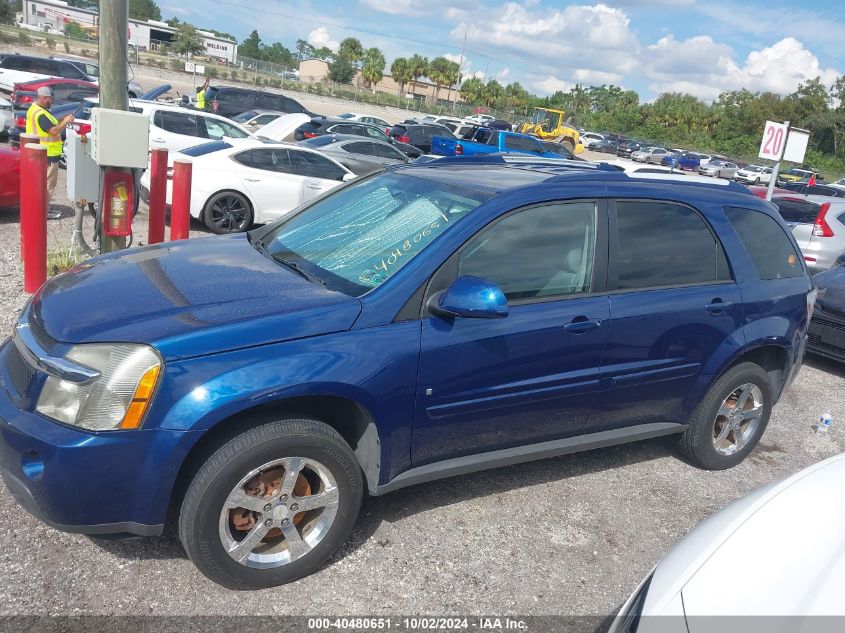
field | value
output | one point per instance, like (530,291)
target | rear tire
(227,212)
(731,418)
(276,469)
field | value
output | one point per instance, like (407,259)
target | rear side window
(313,165)
(522,144)
(767,244)
(177,122)
(797,211)
(359,148)
(663,244)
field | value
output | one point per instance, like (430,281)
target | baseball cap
(45,91)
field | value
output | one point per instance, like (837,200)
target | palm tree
(418,66)
(400,70)
(351,49)
(438,72)
(472,90)
(453,76)
(493,91)
(373,69)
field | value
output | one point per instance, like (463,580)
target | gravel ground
(565,536)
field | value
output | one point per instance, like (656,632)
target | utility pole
(114,26)
(460,65)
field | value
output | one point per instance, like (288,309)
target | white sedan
(779,551)
(238,183)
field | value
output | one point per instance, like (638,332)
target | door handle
(582,324)
(158,140)
(253,179)
(717,306)
(313,186)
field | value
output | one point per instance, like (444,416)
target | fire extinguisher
(118,202)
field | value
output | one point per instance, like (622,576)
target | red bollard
(34,215)
(180,206)
(158,195)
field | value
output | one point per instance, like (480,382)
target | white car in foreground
(779,551)
(238,183)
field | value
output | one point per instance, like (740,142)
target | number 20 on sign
(774,138)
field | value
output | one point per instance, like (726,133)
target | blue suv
(422,322)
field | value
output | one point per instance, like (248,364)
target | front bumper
(827,334)
(82,481)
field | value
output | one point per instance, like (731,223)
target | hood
(831,287)
(766,538)
(189,298)
(282,128)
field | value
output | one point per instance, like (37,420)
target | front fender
(373,367)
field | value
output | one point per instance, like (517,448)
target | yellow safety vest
(201,100)
(52,143)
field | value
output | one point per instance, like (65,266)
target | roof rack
(520,160)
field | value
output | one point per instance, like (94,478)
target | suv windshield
(357,238)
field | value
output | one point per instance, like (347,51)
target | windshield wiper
(298,269)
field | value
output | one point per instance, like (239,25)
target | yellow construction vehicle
(549,125)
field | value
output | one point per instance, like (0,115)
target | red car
(64,91)
(10,177)
(760,191)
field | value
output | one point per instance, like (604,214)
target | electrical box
(83,174)
(120,139)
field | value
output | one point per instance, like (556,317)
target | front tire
(272,504)
(228,212)
(731,419)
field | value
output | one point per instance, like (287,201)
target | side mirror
(472,297)
(348,177)
(840,261)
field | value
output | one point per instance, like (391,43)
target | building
(316,70)
(52,16)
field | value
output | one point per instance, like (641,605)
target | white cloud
(465,66)
(551,84)
(320,37)
(594,41)
(502,75)
(452,9)
(705,68)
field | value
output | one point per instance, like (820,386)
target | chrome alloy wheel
(738,419)
(279,512)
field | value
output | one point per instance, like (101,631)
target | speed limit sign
(774,140)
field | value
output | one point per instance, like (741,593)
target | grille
(20,372)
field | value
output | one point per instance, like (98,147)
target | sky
(651,46)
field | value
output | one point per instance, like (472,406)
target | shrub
(162,64)
(51,43)
(225,75)
(211,71)
(85,52)
(235,76)
(176,64)
(67,47)
(23,38)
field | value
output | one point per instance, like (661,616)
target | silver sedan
(361,155)
(718,169)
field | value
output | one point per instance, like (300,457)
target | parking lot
(565,536)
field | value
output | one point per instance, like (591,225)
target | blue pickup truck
(489,141)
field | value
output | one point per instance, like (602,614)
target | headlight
(116,399)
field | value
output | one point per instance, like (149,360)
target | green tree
(418,66)
(341,70)
(493,91)
(400,70)
(72,29)
(811,100)
(372,69)
(144,10)
(278,54)
(351,49)
(251,46)
(173,22)
(187,41)
(472,90)
(304,50)
(438,73)
(8,10)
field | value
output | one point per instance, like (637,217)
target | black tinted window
(314,166)
(68,71)
(798,211)
(521,143)
(177,122)
(343,128)
(270,102)
(359,148)
(234,97)
(383,150)
(664,244)
(541,252)
(766,242)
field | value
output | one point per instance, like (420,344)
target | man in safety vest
(201,92)
(39,121)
